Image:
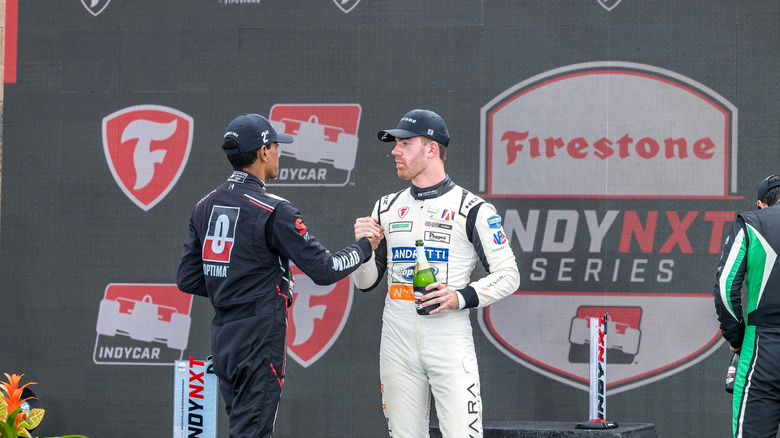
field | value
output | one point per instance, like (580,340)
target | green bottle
(423,276)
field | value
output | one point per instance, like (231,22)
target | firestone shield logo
(142,324)
(621,130)
(346,5)
(325,147)
(95,7)
(317,316)
(609,4)
(147,148)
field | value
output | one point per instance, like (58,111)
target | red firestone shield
(146,148)
(317,317)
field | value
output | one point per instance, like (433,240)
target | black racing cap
(251,132)
(418,122)
(766,186)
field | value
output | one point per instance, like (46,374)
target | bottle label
(418,294)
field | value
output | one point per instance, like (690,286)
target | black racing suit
(241,240)
(750,257)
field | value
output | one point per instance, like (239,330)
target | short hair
(239,161)
(773,195)
(442,148)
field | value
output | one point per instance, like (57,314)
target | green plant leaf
(64,436)
(11,419)
(3,412)
(7,431)
(24,433)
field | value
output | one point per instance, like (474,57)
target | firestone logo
(609,4)
(147,148)
(95,7)
(622,130)
(317,316)
(346,5)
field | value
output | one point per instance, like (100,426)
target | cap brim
(284,138)
(391,134)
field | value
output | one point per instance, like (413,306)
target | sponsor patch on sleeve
(494,221)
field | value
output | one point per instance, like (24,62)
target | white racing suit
(420,355)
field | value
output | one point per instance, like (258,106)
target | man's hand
(441,294)
(369,227)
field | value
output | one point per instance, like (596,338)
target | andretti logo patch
(147,148)
(325,147)
(317,316)
(142,324)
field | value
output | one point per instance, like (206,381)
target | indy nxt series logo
(658,152)
(325,147)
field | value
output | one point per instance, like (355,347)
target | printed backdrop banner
(616,139)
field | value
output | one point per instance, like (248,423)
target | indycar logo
(142,324)
(346,5)
(622,326)
(95,7)
(325,147)
(629,366)
(317,316)
(146,148)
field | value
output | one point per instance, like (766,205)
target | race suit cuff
(469,296)
(365,249)
(461,300)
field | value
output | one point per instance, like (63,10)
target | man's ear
(262,154)
(434,150)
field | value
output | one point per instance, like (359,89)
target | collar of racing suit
(241,177)
(433,191)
